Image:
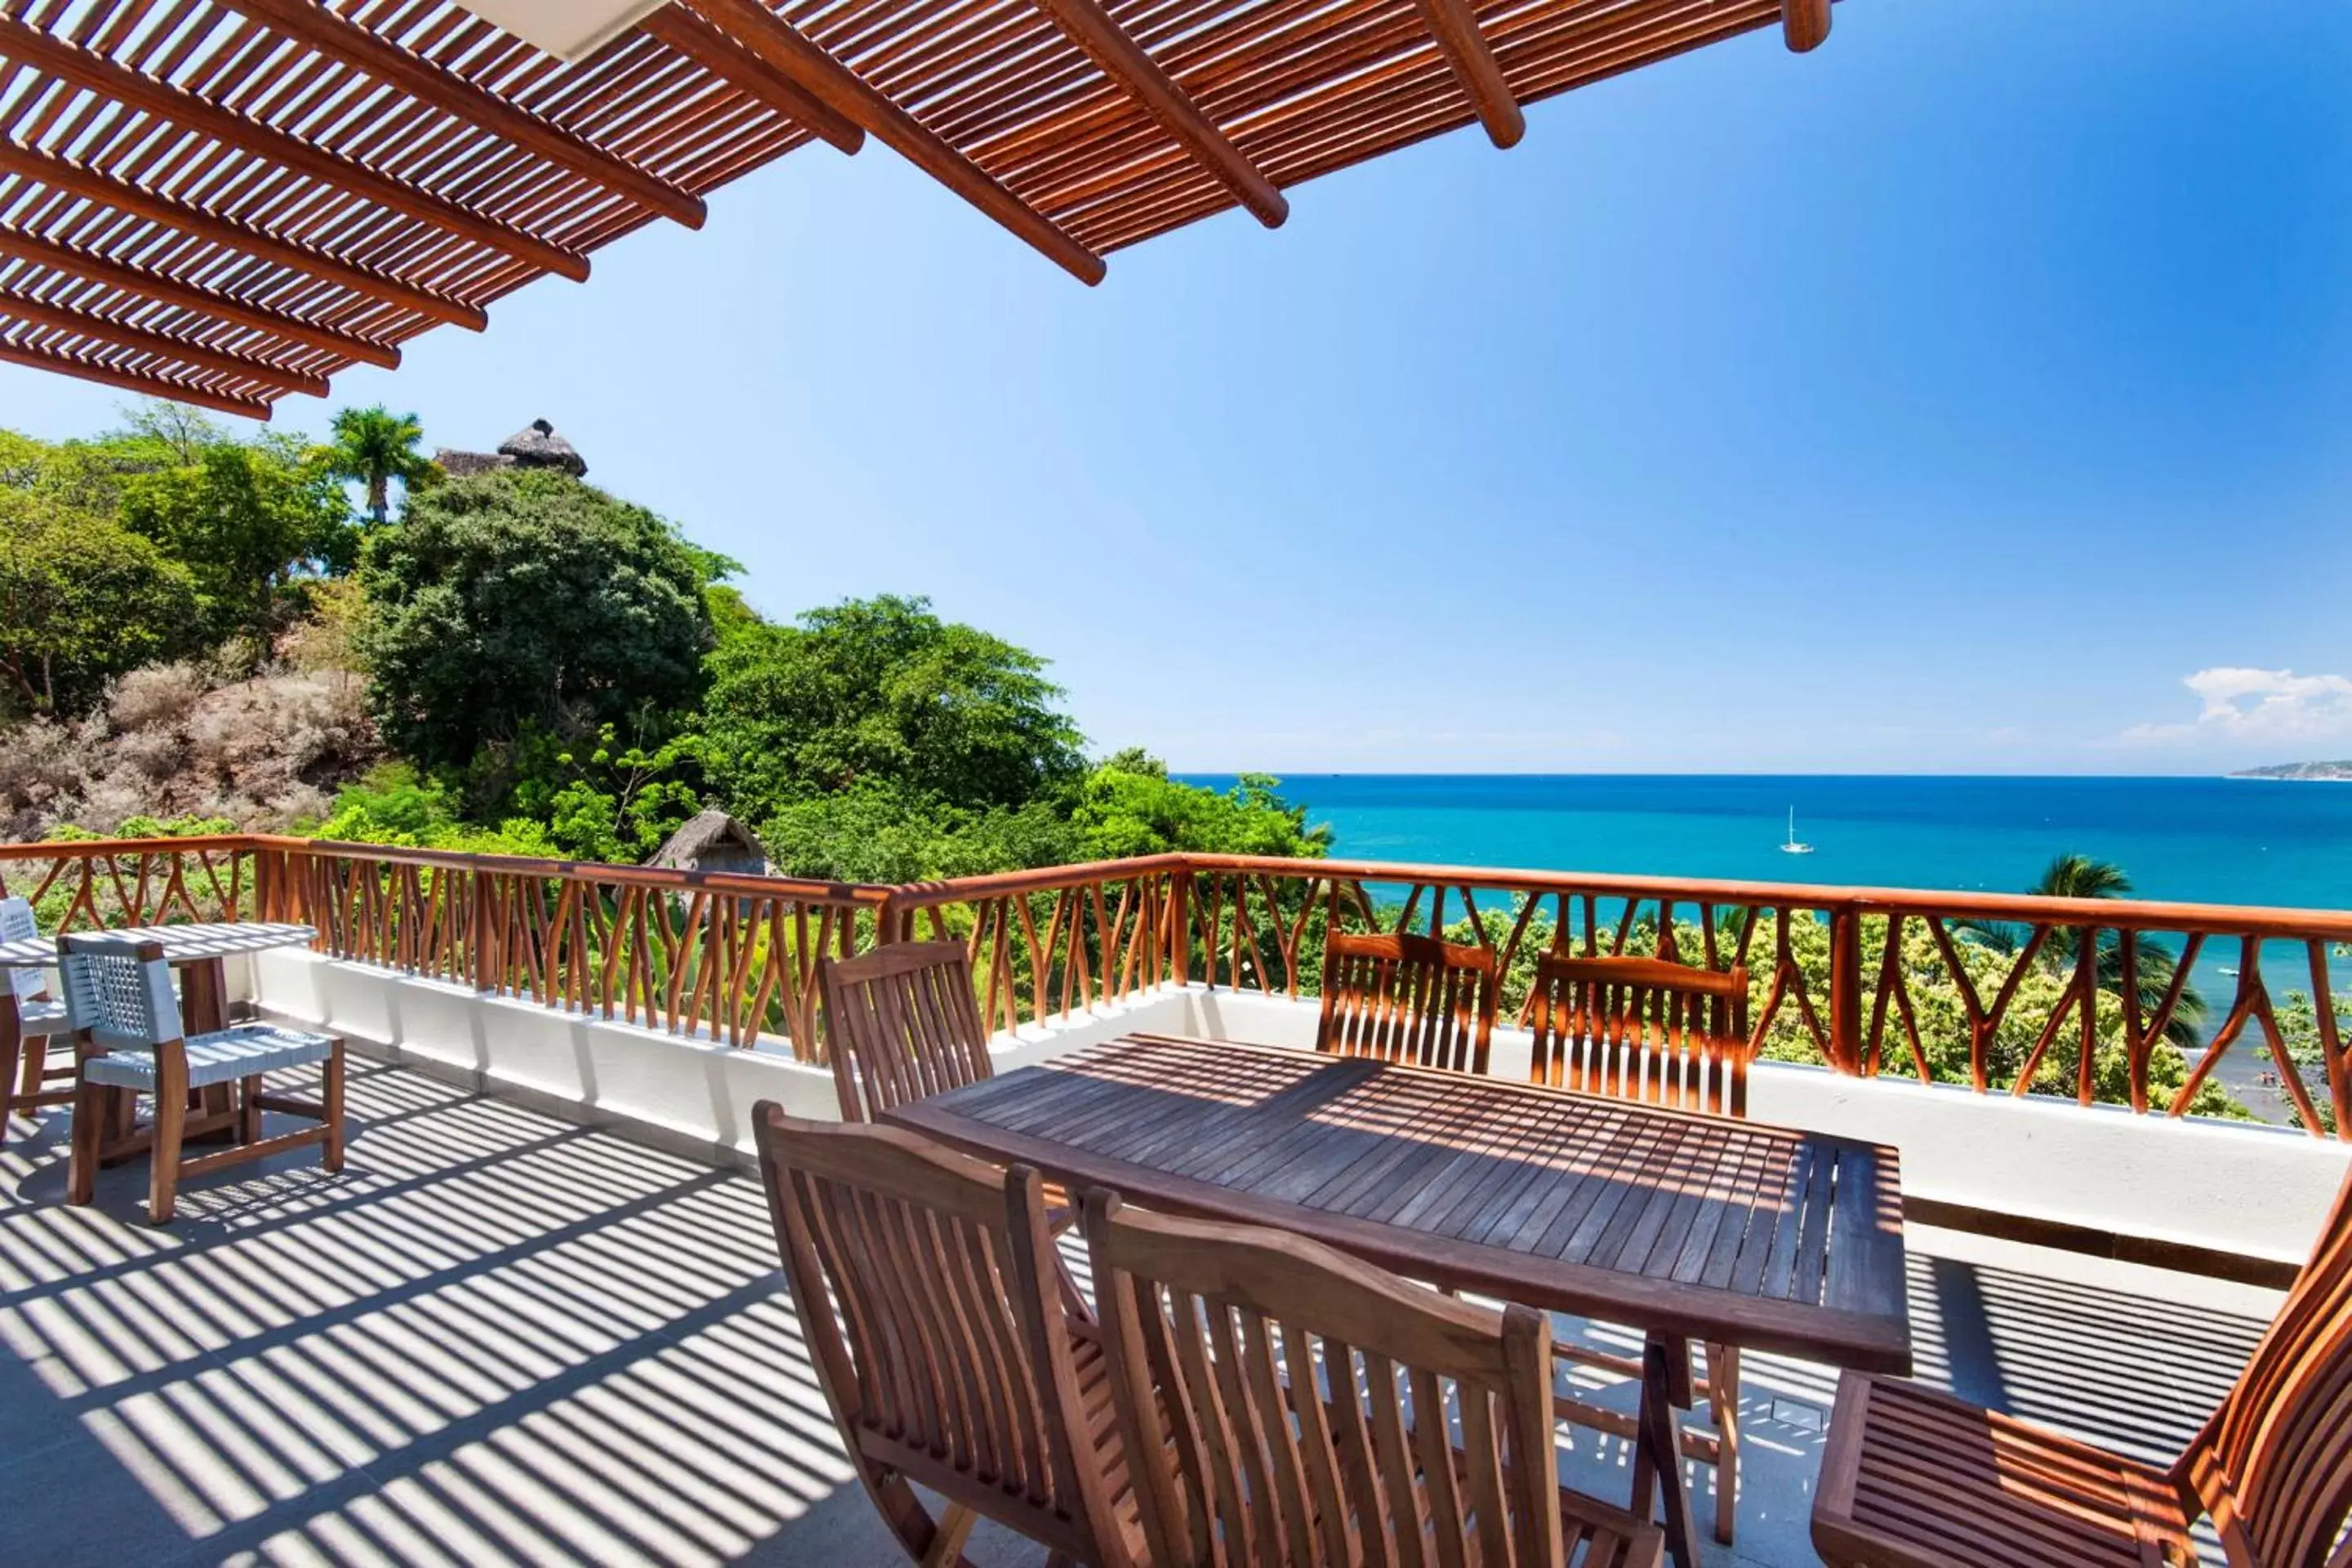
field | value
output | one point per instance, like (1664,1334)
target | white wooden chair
(30,1018)
(127,1021)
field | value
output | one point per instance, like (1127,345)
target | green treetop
(376,447)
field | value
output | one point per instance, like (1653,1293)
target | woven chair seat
(42,1017)
(247,1050)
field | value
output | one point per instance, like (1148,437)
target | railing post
(268,899)
(483,960)
(1845,989)
(1180,916)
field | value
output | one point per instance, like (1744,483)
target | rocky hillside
(263,752)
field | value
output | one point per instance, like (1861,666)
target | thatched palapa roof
(538,445)
(713,841)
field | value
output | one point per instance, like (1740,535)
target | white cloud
(2238,704)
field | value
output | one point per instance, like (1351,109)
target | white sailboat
(1795,846)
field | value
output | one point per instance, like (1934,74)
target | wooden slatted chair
(130,1040)
(1306,1404)
(1920,1480)
(30,1018)
(949,1350)
(1666,1034)
(1406,998)
(906,1026)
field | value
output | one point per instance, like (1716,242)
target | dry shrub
(157,695)
(152,755)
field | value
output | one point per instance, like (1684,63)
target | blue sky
(1971,394)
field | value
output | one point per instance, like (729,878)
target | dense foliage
(881,692)
(515,602)
(82,599)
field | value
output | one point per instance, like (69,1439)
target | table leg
(1657,1448)
(203,1009)
(11,1043)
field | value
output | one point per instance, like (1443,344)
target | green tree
(247,522)
(521,599)
(1130,806)
(374,447)
(882,693)
(81,600)
(2073,876)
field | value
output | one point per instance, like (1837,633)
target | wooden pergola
(224,201)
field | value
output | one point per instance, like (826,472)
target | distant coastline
(2300,772)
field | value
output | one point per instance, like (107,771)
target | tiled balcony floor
(501,1338)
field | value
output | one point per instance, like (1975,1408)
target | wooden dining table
(1682,1226)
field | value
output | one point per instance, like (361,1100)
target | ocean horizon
(2193,839)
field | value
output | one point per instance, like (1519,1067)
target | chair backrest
(926,1287)
(904,1026)
(2274,1465)
(1405,998)
(1308,1405)
(1641,1028)
(118,989)
(18,924)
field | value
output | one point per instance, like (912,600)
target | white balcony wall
(2257,1191)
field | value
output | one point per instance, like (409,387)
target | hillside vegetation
(203,632)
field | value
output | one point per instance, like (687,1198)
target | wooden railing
(90,884)
(2093,1000)
(2089,999)
(732,958)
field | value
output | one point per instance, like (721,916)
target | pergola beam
(1455,29)
(96,74)
(107,190)
(132,381)
(686,34)
(767,35)
(1805,24)
(319,29)
(1112,48)
(117,334)
(163,291)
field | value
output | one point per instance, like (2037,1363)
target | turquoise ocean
(2204,840)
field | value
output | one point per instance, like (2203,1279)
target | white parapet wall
(2257,1191)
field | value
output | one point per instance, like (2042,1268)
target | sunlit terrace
(501,1336)
(538,1315)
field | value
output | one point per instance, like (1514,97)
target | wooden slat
(1089,26)
(1455,28)
(94,73)
(196,356)
(1805,24)
(321,29)
(110,190)
(135,381)
(715,52)
(767,35)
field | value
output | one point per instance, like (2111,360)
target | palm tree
(2085,876)
(373,447)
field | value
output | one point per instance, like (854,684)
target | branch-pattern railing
(88,884)
(729,958)
(2088,999)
